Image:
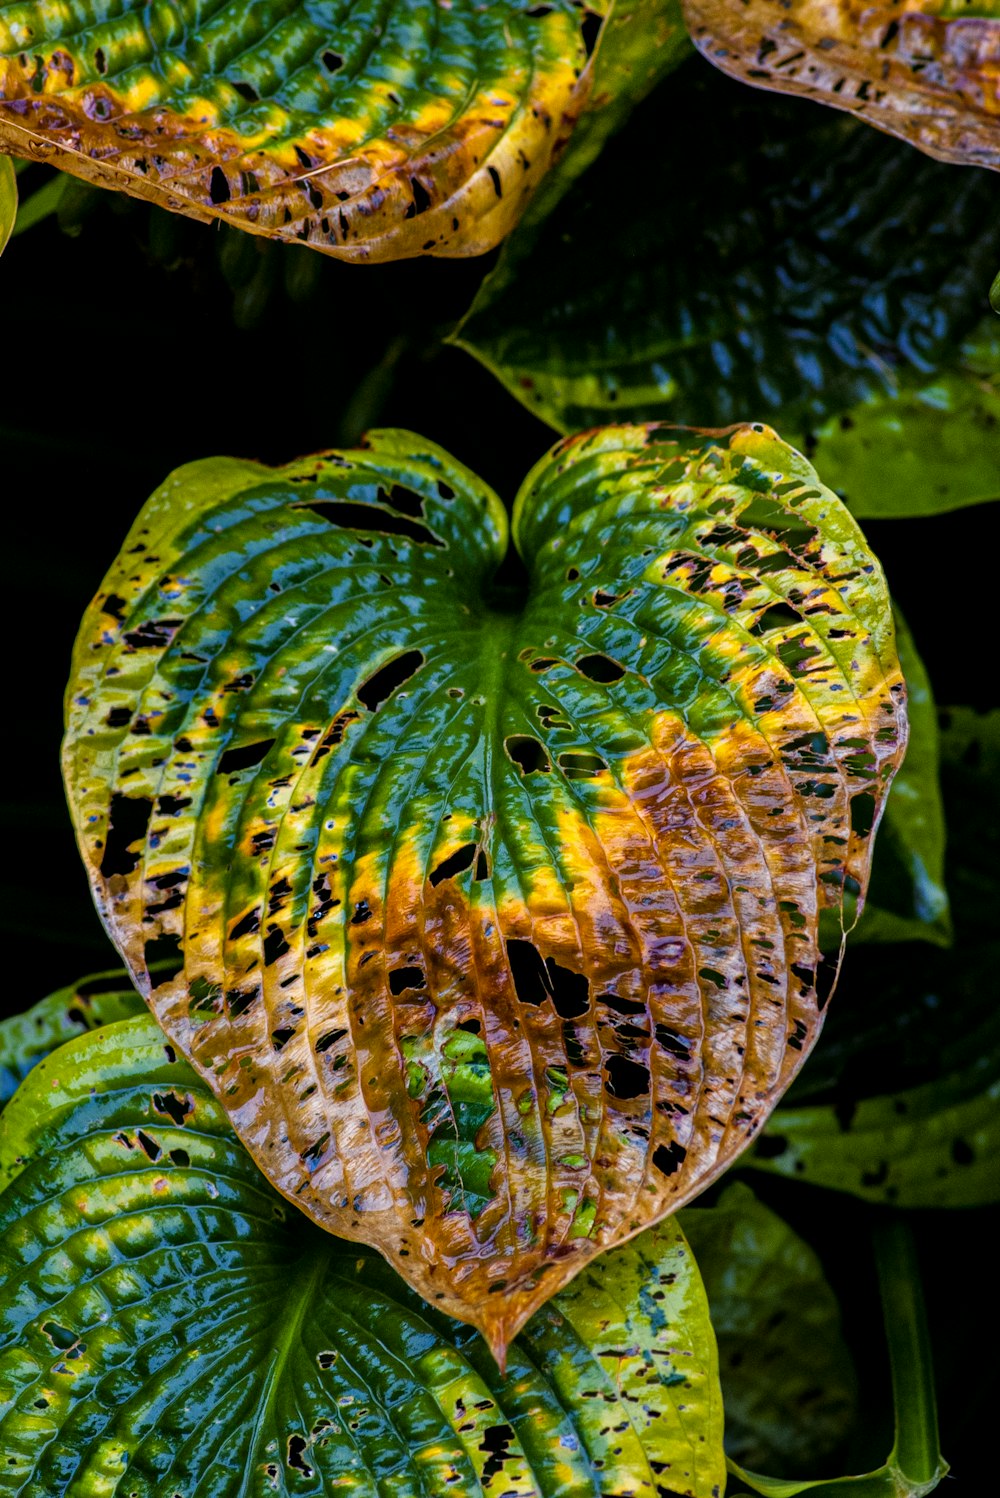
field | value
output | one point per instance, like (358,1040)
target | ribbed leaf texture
(497,905)
(373,131)
(171,1328)
(926,72)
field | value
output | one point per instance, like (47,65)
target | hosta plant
(482,851)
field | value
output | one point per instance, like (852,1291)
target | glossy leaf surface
(931,1146)
(25,1039)
(921,450)
(787,1378)
(388,130)
(497,903)
(927,73)
(825,291)
(170,1326)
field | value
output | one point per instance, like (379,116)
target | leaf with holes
(927,73)
(169,1325)
(380,132)
(831,296)
(497,898)
(787,1377)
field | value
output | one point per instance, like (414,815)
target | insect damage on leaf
(926,73)
(422,131)
(499,915)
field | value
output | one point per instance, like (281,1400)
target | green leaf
(169,1324)
(8,200)
(42,203)
(970,774)
(933,1145)
(923,449)
(371,133)
(907,899)
(823,291)
(25,1039)
(788,1382)
(497,895)
(915,1466)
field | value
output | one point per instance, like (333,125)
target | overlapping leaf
(372,131)
(926,72)
(824,290)
(25,1039)
(169,1325)
(787,1376)
(915,1466)
(497,904)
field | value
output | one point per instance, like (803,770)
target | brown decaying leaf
(931,79)
(576,861)
(426,166)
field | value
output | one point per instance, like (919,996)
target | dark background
(138,342)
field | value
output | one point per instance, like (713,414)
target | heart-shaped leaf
(924,72)
(830,295)
(168,1325)
(498,904)
(417,128)
(787,1377)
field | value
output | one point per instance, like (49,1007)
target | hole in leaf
(777,616)
(454,864)
(218,188)
(537,979)
(668,1158)
(862,813)
(149,1147)
(163,954)
(176,1108)
(361,517)
(590,30)
(296,1459)
(247,91)
(243,757)
(581,766)
(527,753)
(127,822)
(600,668)
(388,679)
(626,1078)
(402,978)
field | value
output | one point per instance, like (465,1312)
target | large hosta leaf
(372,131)
(497,905)
(926,72)
(825,290)
(169,1326)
